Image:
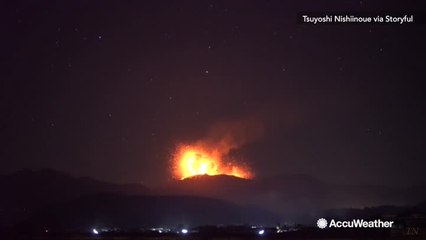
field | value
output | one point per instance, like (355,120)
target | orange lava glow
(191,161)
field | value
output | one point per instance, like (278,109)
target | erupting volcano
(191,161)
(211,154)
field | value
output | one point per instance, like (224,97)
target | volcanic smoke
(210,155)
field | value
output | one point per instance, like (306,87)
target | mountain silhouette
(49,194)
(26,191)
(137,211)
(295,196)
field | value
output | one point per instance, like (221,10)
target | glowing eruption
(211,154)
(192,160)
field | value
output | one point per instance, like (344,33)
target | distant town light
(95,231)
(184,231)
(261,232)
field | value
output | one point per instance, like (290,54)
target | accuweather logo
(354,223)
(322,223)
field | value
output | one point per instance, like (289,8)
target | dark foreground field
(311,233)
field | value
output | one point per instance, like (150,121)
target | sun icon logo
(322,223)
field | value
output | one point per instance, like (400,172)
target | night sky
(109,88)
